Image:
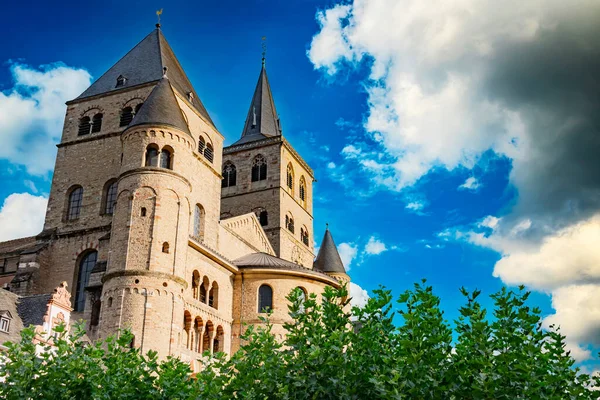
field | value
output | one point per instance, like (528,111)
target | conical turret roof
(161,108)
(262,120)
(328,259)
(144,64)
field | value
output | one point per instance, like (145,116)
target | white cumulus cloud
(348,252)
(32,113)
(449,81)
(22,215)
(375,246)
(471,183)
(358,295)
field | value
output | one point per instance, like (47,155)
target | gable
(247,229)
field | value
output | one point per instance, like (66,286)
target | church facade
(159,228)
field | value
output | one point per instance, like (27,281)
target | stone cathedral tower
(158,229)
(271,179)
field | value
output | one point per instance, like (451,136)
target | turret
(329,261)
(146,270)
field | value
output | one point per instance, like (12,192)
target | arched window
(86,264)
(110,197)
(198,325)
(195,285)
(204,289)
(290,177)
(165,159)
(265,299)
(126,116)
(303,297)
(187,325)
(201,145)
(151,156)
(229,175)
(165,247)
(213,296)
(75,202)
(263,217)
(219,340)
(199,215)
(304,235)
(259,168)
(302,189)
(289,223)
(209,153)
(206,342)
(84,126)
(97,123)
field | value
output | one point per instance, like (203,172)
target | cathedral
(156,227)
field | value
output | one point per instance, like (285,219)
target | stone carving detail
(61,295)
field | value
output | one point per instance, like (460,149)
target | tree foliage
(329,353)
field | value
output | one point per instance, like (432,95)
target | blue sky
(453,143)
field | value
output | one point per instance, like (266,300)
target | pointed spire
(328,259)
(262,120)
(161,108)
(144,64)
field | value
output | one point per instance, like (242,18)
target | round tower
(145,278)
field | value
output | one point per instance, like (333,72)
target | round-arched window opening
(265,299)
(137,281)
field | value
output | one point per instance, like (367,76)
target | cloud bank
(22,215)
(32,112)
(452,80)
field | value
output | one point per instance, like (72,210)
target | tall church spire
(262,120)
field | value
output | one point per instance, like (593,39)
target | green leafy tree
(385,350)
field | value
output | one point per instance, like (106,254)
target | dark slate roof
(161,107)
(264,260)
(328,259)
(144,64)
(32,309)
(262,120)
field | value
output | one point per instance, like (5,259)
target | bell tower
(263,173)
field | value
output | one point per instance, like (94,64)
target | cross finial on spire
(264,50)
(158,13)
(326,226)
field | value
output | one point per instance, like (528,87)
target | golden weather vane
(264,49)
(158,13)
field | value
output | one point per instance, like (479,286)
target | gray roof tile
(262,119)
(144,64)
(161,107)
(32,309)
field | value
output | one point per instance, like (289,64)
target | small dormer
(121,81)
(5,320)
